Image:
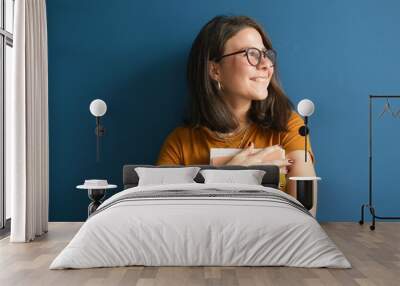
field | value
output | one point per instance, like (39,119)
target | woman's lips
(259,79)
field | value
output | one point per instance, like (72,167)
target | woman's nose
(265,63)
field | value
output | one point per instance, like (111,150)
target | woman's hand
(251,157)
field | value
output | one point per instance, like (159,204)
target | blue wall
(132,54)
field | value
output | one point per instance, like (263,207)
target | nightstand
(305,190)
(96,192)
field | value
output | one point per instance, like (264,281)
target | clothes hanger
(387,108)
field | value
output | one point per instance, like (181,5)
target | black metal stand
(370,205)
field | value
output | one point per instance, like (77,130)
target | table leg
(96,196)
(305,193)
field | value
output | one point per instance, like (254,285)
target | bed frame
(271,178)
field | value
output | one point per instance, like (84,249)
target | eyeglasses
(253,56)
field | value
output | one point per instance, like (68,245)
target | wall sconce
(98,108)
(306,109)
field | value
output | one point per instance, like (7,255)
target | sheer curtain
(27,124)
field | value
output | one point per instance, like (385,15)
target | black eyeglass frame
(264,53)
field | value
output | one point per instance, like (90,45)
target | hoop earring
(219,85)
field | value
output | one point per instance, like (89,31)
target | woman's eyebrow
(242,48)
(261,49)
(247,47)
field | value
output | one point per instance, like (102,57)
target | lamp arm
(99,131)
(305,138)
(304,131)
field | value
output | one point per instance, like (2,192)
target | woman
(237,102)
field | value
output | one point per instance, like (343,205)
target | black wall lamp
(98,108)
(306,109)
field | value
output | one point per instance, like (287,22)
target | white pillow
(162,176)
(249,177)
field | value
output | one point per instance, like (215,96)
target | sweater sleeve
(171,150)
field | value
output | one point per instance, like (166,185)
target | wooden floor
(374,255)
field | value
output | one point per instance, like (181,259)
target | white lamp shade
(98,107)
(305,107)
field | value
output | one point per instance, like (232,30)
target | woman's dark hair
(207,108)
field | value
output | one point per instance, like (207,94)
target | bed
(201,224)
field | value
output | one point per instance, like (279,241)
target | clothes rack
(370,204)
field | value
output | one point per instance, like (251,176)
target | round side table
(96,195)
(305,190)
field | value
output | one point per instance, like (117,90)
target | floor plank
(374,255)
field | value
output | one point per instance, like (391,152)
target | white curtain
(27,173)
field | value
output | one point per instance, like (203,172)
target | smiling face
(238,78)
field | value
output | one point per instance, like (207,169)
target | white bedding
(181,231)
